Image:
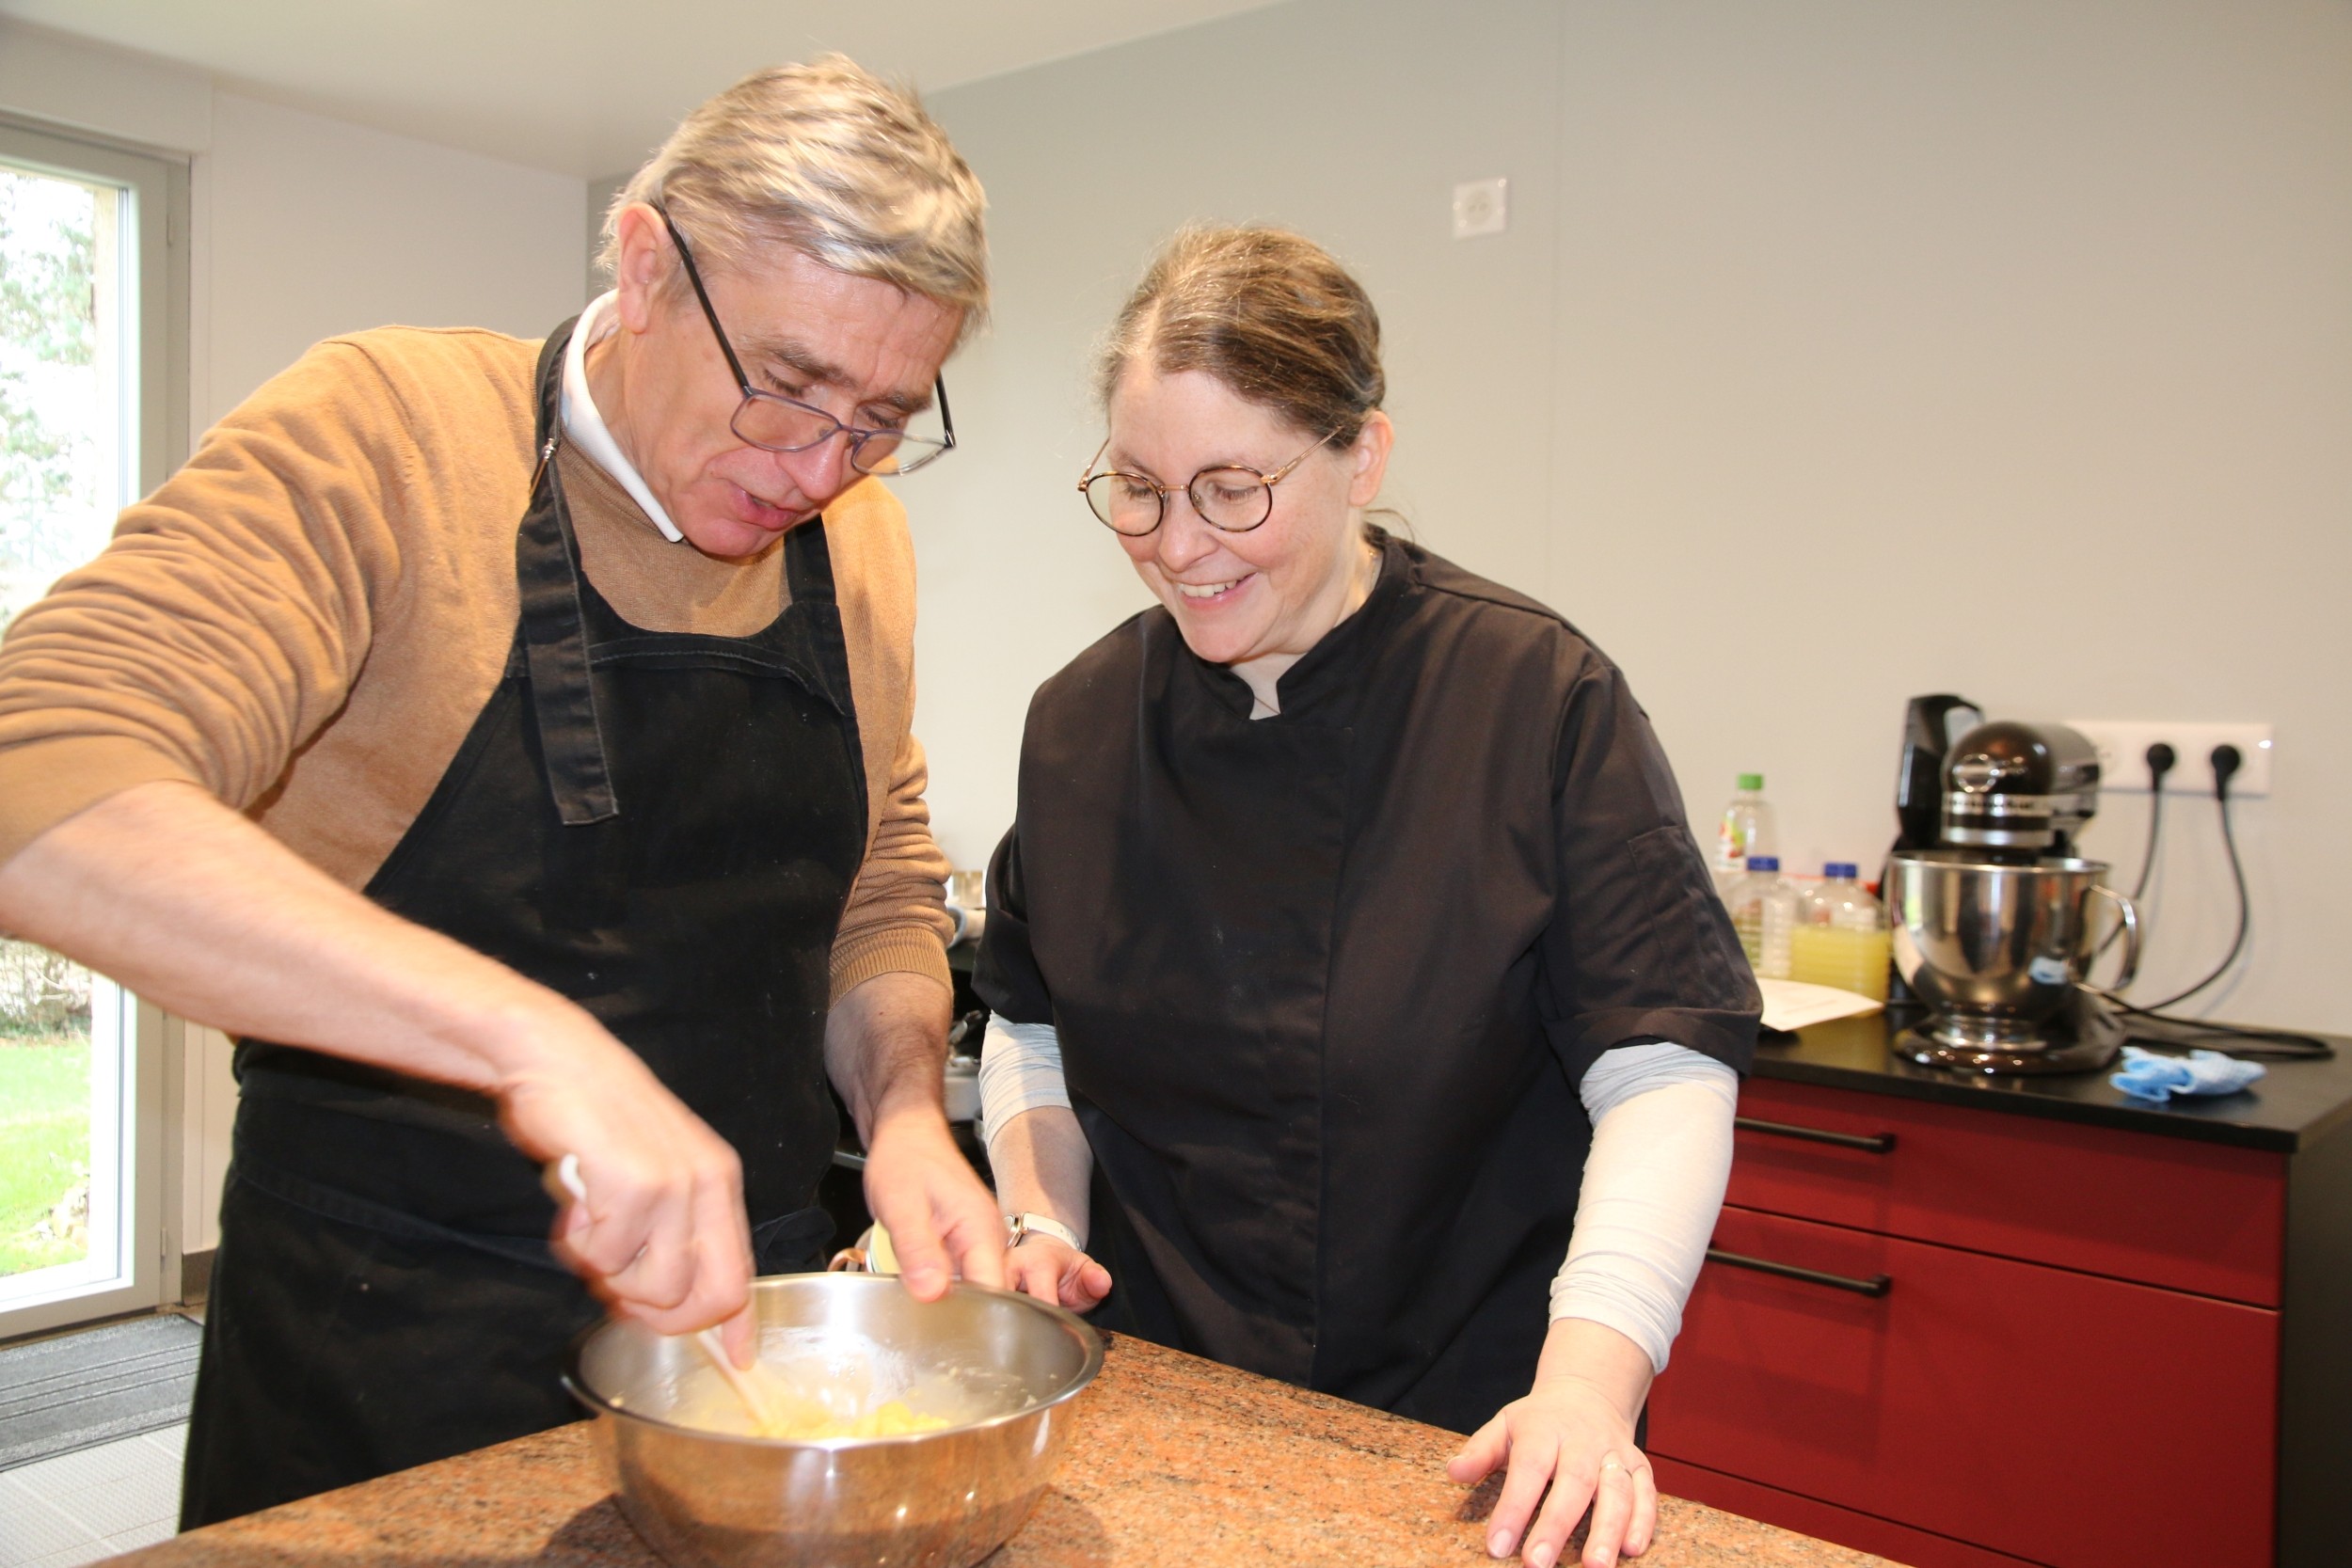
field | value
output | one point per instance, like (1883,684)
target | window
(93,379)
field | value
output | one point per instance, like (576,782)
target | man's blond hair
(831,161)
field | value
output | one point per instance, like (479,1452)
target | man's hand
(943,1224)
(1573,1431)
(652,1198)
(886,1044)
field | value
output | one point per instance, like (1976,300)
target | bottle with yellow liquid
(1840,936)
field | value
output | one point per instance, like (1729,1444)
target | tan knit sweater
(306,619)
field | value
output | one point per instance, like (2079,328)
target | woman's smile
(1253,599)
(1209,594)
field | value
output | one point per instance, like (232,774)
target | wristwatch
(1020,1228)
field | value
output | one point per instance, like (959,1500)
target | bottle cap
(1751,780)
(1763,863)
(1834,870)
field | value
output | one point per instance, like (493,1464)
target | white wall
(1838,351)
(303,227)
(319,227)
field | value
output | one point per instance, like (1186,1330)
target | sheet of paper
(1793,1003)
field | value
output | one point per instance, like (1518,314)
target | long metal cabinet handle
(1869,1142)
(1876,1284)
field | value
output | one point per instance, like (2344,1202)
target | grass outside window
(44,1115)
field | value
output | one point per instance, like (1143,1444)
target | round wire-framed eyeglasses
(775,423)
(1228,497)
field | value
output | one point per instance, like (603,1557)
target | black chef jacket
(1326,982)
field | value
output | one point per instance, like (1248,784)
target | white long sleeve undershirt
(1653,1181)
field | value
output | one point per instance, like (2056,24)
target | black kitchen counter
(2294,1105)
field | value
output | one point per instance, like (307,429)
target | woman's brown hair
(1268,313)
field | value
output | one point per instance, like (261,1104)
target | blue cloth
(2147,1076)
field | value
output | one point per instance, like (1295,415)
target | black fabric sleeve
(1004,973)
(1639,946)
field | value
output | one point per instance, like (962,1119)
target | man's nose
(823,471)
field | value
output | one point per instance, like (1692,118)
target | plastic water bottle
(1841,938)
(1746,829)
(1763,905)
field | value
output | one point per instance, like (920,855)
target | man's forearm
(886,1047)
(170,893)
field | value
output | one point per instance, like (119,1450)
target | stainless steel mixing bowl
(1996,949)
(941,1498)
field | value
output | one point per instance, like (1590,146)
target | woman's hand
(1573,1431)
(1041,1163)
(1053,1270)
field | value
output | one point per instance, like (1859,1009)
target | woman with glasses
(1364,1014)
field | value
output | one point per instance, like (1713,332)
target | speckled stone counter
(1175,1460)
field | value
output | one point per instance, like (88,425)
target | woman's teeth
(1203,590)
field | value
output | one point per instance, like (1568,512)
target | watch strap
(1020,1228)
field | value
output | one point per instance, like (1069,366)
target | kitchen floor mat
(77,1390)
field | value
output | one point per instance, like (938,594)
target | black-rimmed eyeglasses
(774,422)
(1229,498)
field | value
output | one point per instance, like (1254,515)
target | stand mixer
(1992,912)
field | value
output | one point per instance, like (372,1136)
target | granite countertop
(2295,1105)
(1175,1458)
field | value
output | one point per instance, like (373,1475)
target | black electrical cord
(2161,759)
(2226,762)
(2187,1033)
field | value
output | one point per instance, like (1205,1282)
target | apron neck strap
(554,628)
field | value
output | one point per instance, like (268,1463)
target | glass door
(87,406)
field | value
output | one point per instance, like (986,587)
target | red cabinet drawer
(2069,1420)
(2193,1216)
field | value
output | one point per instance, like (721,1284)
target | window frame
(140,1138)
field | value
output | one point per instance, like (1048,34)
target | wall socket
(2124,754)
(1481,207)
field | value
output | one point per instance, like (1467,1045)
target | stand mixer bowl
(1997,950)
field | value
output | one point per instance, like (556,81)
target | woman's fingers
(1532,1459)
(1568,1445)
(1028,1270)
(1643,1529)
(1476,1458)
(1055,1272)
(1084,1287)
(1612,1512)
(1571,1490)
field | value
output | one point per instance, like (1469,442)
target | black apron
(1326,982)
(661,827)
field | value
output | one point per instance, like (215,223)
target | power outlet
(2124,754)
(1481,207)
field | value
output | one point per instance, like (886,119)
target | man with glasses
(509,743)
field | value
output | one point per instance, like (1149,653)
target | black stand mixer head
(1988,903)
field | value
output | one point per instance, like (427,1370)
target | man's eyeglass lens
(776,422)
(1233,499)
(780,423)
